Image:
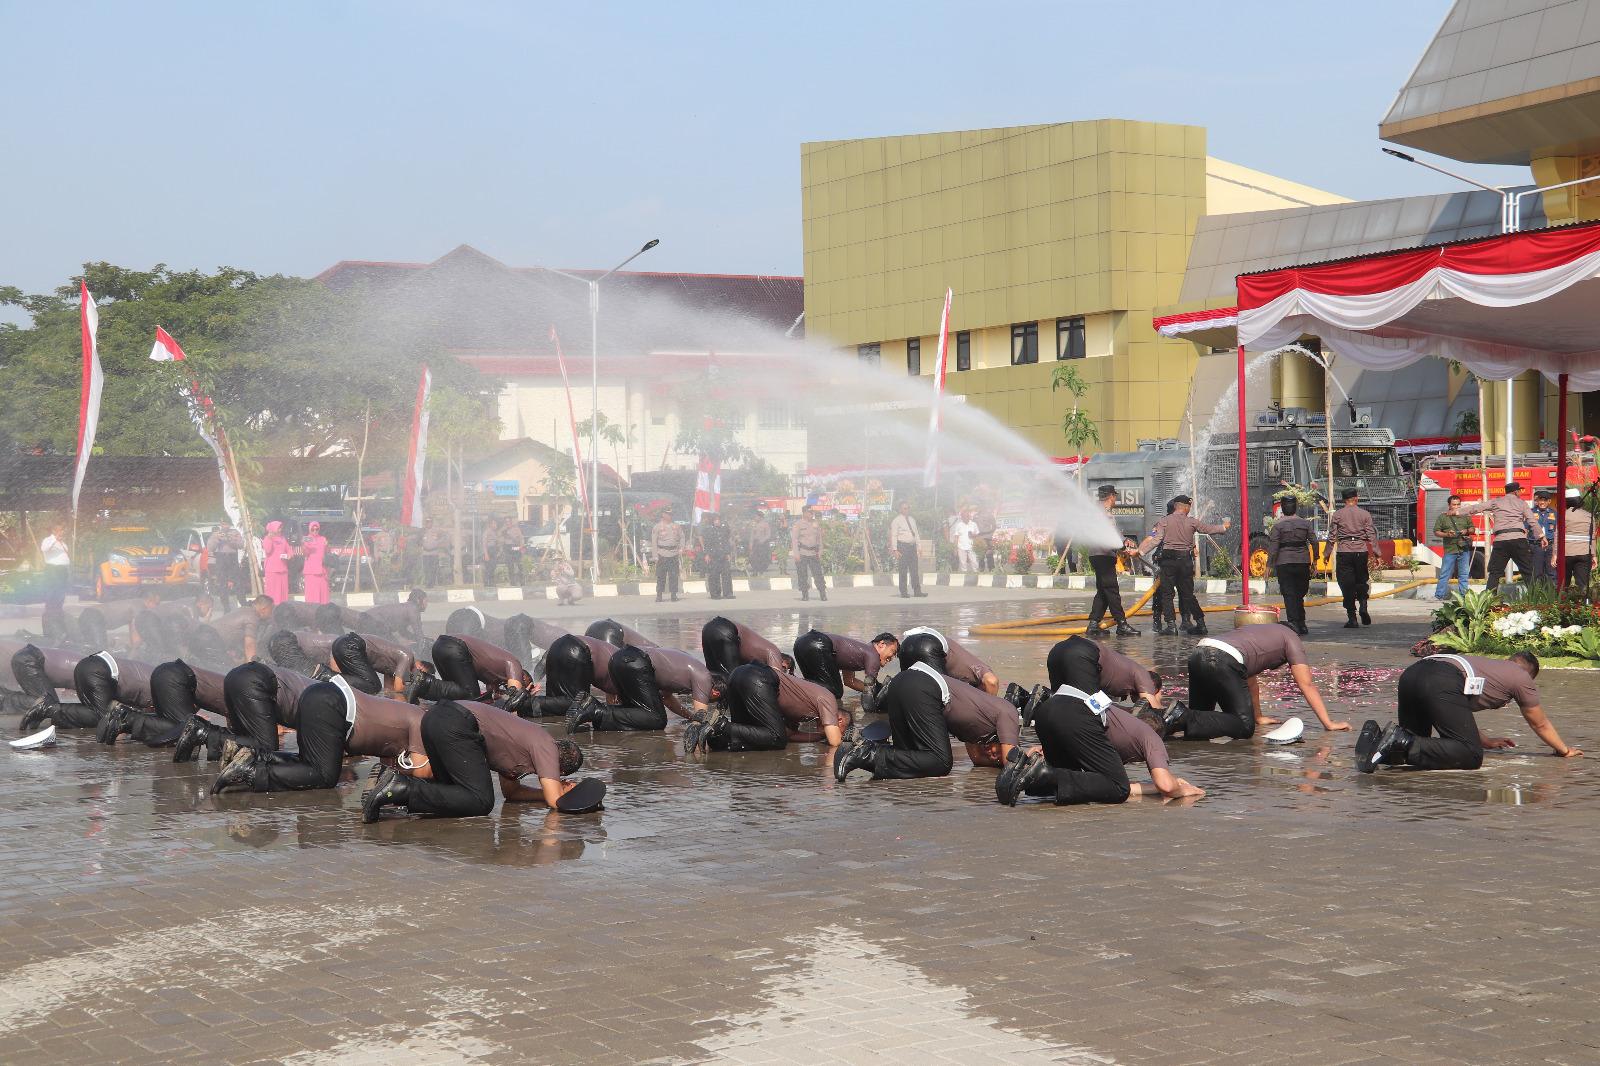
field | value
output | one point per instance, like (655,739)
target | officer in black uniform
(1107,594)
(717,543)
(1289,553)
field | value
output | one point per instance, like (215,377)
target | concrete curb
(1075,582)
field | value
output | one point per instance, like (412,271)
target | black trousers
(1294,579)
(633,675)
(92,629)
(810,565)
(1219,697)
(1076,662)
(719,576)
(667,575)
(1087,769)
(1107,594)
(568,668)
(430,570)
(96,689)
(752,695)
(172,692)
(919,734)
(206,647)
(760,558)
(719,644)
(1509,551)
(1578,567)
(350,655)
(320,758)
(814,655)
(906,560)
(1177,580)
(1350,570)
(250,692)
(1431,701)
(455,677)
(462,785)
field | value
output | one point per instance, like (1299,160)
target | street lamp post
(594,402)
(1510,197)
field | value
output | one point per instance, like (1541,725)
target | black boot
(240,770)
(862,756)
(1393,747)
(1126,630)
(585,710)
(1366,619)
(1018,775)
(1197,628)
(42,711)
(1350,619)
(1367,745)
(1036,698)
(1016,695)
(416,686)
(392,789)
(1175,719)
(822,591)
(113,723)
(196,731)
(805,595)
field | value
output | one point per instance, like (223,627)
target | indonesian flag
(94,380)
(708,488)
(411,503)
(166,349)
(930,468)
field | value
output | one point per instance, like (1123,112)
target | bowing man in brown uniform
(1353,538)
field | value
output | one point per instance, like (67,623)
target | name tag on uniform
(1473,683)
(1473,686)
(1098,702)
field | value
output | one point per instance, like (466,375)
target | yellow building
(1059,241)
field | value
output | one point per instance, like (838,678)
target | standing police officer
(666,542)
(1107,593)
(1289,553)
(1353,537)
(1174,534)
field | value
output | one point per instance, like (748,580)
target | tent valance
(1193,321)
(1500,305)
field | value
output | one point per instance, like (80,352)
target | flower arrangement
(1516,624)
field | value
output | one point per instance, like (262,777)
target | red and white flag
(572,421)
(930,468)
(708,488)
(93,384)
(411,503)
(166,349)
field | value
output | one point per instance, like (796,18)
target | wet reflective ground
(745,908)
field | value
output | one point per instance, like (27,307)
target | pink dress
(315,570)
(275,570)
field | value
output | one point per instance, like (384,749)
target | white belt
(1208,642)
(1473,686)
(1099,703)
(349,704)
(944,688)
(111,662)
(482,621)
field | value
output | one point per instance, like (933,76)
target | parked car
(125,556)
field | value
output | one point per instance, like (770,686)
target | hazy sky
(284,137)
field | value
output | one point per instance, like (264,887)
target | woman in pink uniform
(276,566)
(314,547)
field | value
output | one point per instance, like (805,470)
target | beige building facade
(1058,242)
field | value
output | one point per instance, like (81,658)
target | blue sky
(284,137)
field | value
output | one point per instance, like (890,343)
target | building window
(963,351)
(774,414)
(1024,343)
(869,354)
(914,357)
(734,420)
(1069,338)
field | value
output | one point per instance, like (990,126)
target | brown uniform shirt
(1580,532)
(974,716)
(1122,678)
(600,652)
(679,672)
(800,700)
(1175,532)
(1265,647)
(855,655)
(755,648)
(402,618)
(1503,681)
(1350,529)
(806,532)
(494,666)
(515,746)
(1511,515)
(386,656)
(965,666)
(667,539)
(386,727)
(1135,741)
(236,625)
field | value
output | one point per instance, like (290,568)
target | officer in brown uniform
(1289,553)
(1174,535)
(1512,518)
(1352,537)
(1580,540)
(805,548)
(666,541)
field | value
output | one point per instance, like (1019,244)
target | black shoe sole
(1366,744)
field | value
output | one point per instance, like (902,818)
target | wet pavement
(744,908)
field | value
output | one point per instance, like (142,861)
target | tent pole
(1244,489)
(1561,486)
(1511,429)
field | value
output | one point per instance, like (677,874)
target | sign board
(502,488)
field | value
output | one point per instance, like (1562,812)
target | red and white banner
(930,467)
(202,414)
(411,502)
(1190,321)
(572,422)
(1363,308)
(166,349)
(708,488)
(94,381)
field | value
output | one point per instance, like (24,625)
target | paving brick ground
(746,909)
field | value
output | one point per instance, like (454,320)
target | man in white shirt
(962,530)
(57,567)
(904,539)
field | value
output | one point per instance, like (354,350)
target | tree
(1076,426)
(615,436)
(710,415)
